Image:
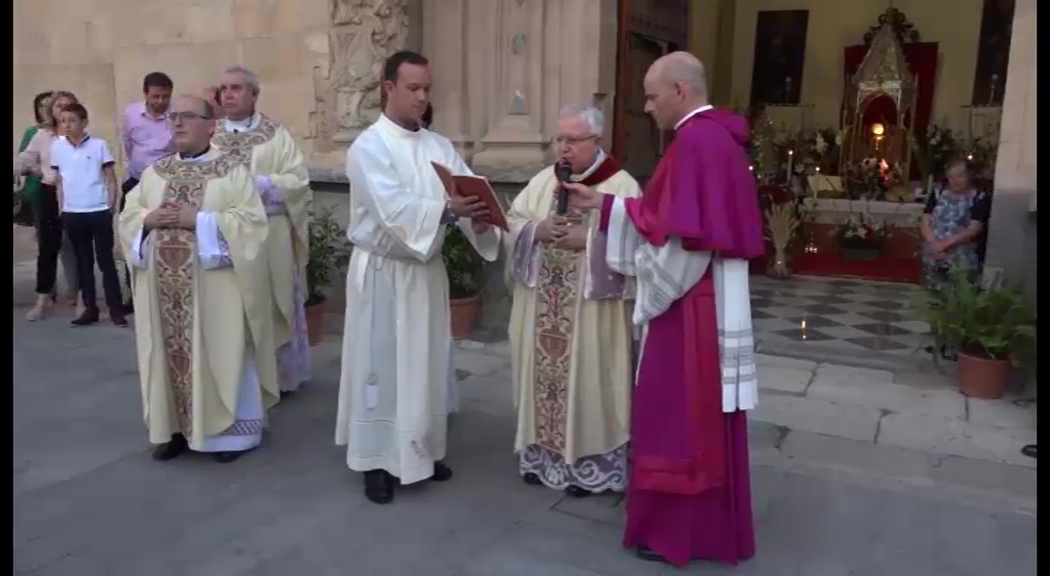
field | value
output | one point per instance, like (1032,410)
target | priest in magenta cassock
(687,241)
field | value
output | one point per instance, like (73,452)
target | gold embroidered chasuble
(570,356)
(193,324)
(268,149)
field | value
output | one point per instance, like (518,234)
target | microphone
(563,171)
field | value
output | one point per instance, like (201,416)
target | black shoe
(1029,450)
(286,393)
(90,316)
(379,486)
(577,492)
(117,316)
(531,479)
(227,457)
(441,472)
(172,449)
(645,553)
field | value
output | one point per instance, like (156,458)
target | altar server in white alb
(393,391)
(282,179)
(194,230)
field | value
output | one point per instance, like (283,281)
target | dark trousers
(126,187)
(49,239)
(92,236)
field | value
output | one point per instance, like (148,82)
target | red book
(477,186)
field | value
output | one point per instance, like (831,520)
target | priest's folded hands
(582,197)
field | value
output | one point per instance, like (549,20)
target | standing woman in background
(29,190)
(52,244)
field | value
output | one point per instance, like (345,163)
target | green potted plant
(463,265)
(328,256)
(987,328)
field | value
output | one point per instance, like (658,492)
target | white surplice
(393,390)
(666,273)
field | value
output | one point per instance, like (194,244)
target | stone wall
(1012,234)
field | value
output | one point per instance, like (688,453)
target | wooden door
(648,29)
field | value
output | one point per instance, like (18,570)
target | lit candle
(969,157)
(791,160)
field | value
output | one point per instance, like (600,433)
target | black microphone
(563,171)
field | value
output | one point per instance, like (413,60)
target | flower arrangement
(861,232)
(934,148)
(981,152)
(827,149)
(782,221)
(867,179)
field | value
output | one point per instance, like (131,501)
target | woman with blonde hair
(52,244)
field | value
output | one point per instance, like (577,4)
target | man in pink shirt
(145,133)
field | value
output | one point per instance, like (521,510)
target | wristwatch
(448,217)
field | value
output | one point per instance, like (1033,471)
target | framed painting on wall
(780,56)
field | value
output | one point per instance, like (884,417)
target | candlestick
(791,161)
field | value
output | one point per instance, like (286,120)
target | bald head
(682,68)
(675,85)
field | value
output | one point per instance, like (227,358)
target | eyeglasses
(176,117)
(573,140)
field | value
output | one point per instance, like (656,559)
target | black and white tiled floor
(853,315)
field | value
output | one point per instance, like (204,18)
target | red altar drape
(922,60)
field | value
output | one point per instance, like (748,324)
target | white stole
(666,273)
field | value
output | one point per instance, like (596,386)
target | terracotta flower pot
(982,377)
(465,312)
(315,323)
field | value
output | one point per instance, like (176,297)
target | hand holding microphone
(563,171)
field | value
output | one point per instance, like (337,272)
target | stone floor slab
(882,395)
(956,438)
(819,416)
(784,378)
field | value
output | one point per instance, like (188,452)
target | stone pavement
(853,474)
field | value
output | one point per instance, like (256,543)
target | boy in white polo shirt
(87,194)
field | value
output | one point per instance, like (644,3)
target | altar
(820,250)
(856,194)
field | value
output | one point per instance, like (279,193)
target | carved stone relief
(364,33)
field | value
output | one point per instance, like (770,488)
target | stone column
(1012,229)
(503,68)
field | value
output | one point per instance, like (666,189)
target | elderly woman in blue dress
(953,227)
(953,231)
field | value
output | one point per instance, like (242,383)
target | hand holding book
(471,197)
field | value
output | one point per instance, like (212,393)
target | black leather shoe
(1029,450)
(227,457)
(531,479)
(441,472)
(171,450)
(379,486)
(577,492)
(645,553)
(89,317)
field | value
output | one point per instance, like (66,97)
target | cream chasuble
(283,181)
(571,343)
(393,390)
(203,322)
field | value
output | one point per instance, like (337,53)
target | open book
(473,186)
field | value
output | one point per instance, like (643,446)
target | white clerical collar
(703,108)
(206,155)
(247,125)
(597,162)
(397,129)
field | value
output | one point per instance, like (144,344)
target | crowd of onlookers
(66,181)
